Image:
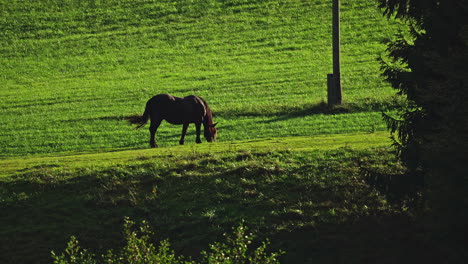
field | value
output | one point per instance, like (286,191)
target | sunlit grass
(69,72)
(63,160)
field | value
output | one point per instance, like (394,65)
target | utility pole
(334,80)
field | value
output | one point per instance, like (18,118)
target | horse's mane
(209,113)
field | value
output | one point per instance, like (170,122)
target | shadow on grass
(293,111)
(314,207)
(284,112)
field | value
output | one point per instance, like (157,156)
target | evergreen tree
(431,69)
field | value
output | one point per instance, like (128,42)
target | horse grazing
(177,111)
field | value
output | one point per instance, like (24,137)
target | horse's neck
(208,120)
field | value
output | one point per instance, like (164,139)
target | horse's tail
(139,120)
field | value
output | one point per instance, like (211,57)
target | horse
(178,111)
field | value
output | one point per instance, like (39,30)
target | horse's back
(162,99)
(195,104)
(177,110)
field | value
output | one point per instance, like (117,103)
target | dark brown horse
(177,111)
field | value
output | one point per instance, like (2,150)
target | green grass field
(295,171)
(70,71)
(359,141)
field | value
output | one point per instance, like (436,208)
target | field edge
(15,165)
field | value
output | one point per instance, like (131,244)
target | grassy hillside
(316,204)
(70,70)
(14,165)
(295,171)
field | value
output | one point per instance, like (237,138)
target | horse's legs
(198,125)
(153,127)
(184,132)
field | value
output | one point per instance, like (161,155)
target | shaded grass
(309,203)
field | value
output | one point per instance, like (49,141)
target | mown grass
(13,165)
(294,170)
(317,205)
(70,71)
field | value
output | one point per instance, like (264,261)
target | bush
(236,250)
(139,250)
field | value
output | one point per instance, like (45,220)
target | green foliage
(74,254)
(237,250)
(140,250)
(432,131)
(429,69)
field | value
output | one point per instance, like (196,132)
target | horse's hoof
(181,142)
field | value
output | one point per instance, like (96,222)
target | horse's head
(211,133)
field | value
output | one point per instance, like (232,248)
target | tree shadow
(284,112)
(306,210)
